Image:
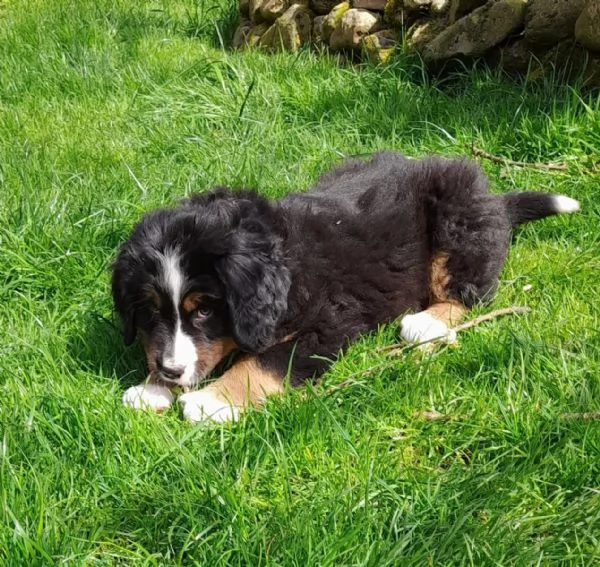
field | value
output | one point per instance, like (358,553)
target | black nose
(168,371)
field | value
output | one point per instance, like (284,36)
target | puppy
(286,285)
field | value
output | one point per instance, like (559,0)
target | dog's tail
(530,205)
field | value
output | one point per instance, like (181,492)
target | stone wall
(520,35)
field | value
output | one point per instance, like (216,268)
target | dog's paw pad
(206,406)
(148,396)
(422,327)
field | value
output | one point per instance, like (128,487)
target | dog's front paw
(205,405)
(148,396)
(422,327)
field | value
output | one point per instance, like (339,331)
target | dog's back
(434,206)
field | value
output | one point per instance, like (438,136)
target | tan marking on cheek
(247,383)
(449,312)
(191,302)
(210,354)
(439,278)
(150,349)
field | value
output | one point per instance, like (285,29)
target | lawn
(108,109)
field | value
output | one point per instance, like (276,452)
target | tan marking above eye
(191,301)
(153,296)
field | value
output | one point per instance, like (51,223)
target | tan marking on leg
(443,308)
(246,383)
(213,352)
(449,312)
(439,277)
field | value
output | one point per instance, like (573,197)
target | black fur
(328,265)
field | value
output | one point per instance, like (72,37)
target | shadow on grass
(211,20)
(99,349)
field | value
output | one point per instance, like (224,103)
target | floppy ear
(123,303)
(257,283)
(129,330)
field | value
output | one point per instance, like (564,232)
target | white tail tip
(564,204)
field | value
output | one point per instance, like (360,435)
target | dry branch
(515,310)
(393,349)
(585,416)
(531,165)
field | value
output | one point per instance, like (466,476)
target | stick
(531,165)
(391,350)
(586,416)
(515,310)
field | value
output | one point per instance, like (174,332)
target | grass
(108,109)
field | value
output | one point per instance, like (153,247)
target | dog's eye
(202,313)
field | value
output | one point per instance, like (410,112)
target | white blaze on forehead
(172,275)
(183,351)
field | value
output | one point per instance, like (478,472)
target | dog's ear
(129,328)
(257,283)
(123,303)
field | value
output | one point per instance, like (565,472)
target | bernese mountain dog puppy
(286,285)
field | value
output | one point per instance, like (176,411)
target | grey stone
(290,31)
(270,10)
(459,8)
(254,11)
(477,32)
(422,32)
(323,7)
(416,5)
(398,15)
(587,26)
(375,5)
(332,20)
(379,47)
(255,33)
(353,26)
(240,37)
(549,21)
(317,30)
(440,6)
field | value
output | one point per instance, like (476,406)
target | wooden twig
(585,416)
(393,349)
(515,310)
(531,165)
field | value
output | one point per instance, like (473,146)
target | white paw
(204,405)
(422,327)
(148,396)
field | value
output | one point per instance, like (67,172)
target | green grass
(108,109)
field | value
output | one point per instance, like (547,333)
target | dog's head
(201,280)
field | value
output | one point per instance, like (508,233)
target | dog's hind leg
(443,312)
(469,243)
(433,323)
